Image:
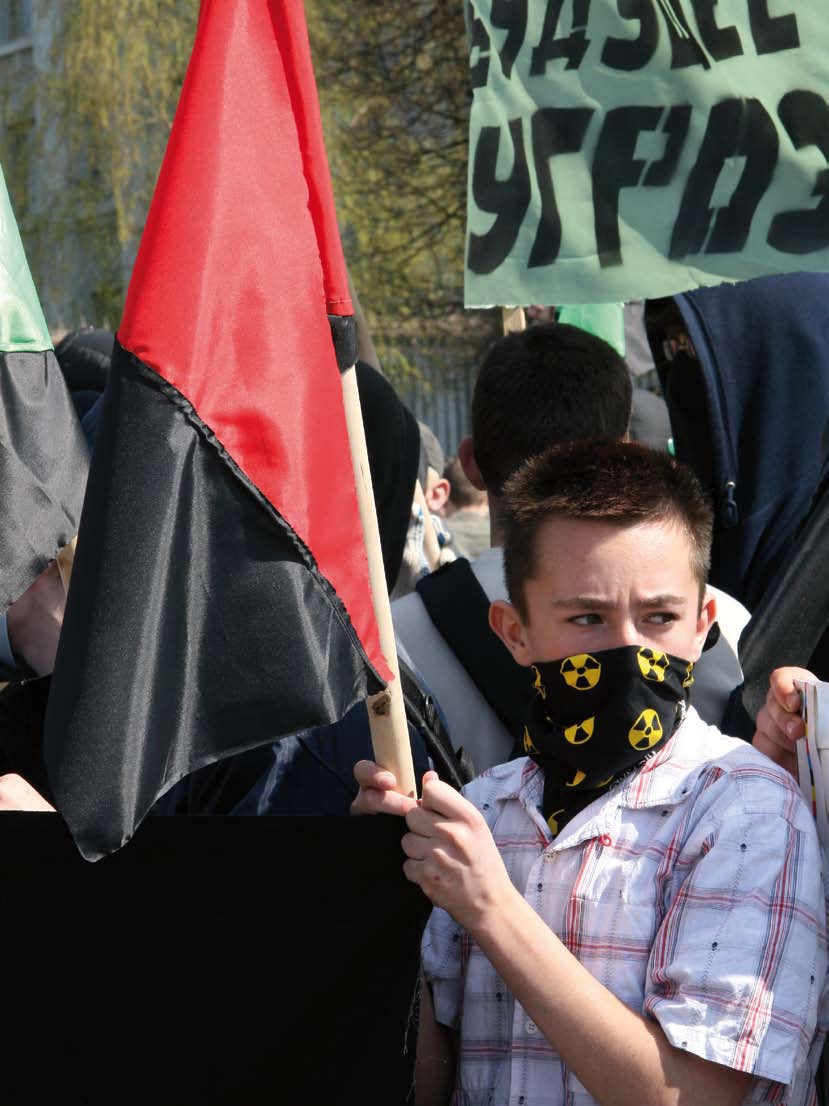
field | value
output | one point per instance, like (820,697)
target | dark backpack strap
(454,767)
(459,608)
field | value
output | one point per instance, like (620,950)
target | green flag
(22,325)
(43,453)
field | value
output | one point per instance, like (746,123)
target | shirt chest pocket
(610,920)
(604,872)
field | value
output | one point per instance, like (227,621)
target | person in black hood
(84,356)
(393,444)
(745,370)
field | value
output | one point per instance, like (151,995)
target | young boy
(633,913)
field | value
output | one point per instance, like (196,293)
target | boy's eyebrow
(587,602)
(665,601)
(595,603)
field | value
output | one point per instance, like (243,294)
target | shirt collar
(665,779)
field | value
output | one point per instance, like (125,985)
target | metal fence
(443,405)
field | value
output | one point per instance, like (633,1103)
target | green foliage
(392,78)
(121,69)
(394,91)
(118,66)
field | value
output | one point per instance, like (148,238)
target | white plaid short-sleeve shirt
(693,891)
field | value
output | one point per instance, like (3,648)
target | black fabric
(211,961)
(218,789)
(344,337)
(459,608)
(596,717)
(453,766)
(152,684)
(43,467)
(393,445)
(311,773)
(22,711)
(789,623)
(85,356)
(751,416)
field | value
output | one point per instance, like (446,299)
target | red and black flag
(43,454)
(220,595)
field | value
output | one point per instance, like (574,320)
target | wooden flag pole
(65,560)
(367,351)
(386,711)
(513,319)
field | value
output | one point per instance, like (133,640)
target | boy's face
(598,585)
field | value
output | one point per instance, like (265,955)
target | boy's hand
(18,794)
(452,856)
(779,724)
(35,619)
(378,794)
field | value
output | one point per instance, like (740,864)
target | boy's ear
(506,623)
(466,456)
(707,617)
(438,494)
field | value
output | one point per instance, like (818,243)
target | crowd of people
(628,904)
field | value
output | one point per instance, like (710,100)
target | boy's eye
(662,618)
(589,618)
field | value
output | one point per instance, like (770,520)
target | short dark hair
(620,482)
(462,492)
(548,384)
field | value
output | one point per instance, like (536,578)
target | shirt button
(530,1027)
(606,840)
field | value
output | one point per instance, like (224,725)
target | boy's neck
(496,532)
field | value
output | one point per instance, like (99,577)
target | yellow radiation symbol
(582,671)
(581,732)
(538,685)
(529,747)
(645,731)
(552,821)
(689,675)
(652,664)
(579,777)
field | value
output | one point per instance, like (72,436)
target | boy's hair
(548,384)
(621,482)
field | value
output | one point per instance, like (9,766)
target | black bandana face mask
(597,716)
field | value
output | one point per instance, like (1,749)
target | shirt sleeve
(738,964)
(441,951)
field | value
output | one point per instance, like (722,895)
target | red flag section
(228,298)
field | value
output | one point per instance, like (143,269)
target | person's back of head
(549,384)
(462,492)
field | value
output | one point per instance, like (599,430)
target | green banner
(629,149)
(22,325)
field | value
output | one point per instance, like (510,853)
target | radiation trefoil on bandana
(595,717)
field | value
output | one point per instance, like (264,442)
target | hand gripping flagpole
(386,711)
